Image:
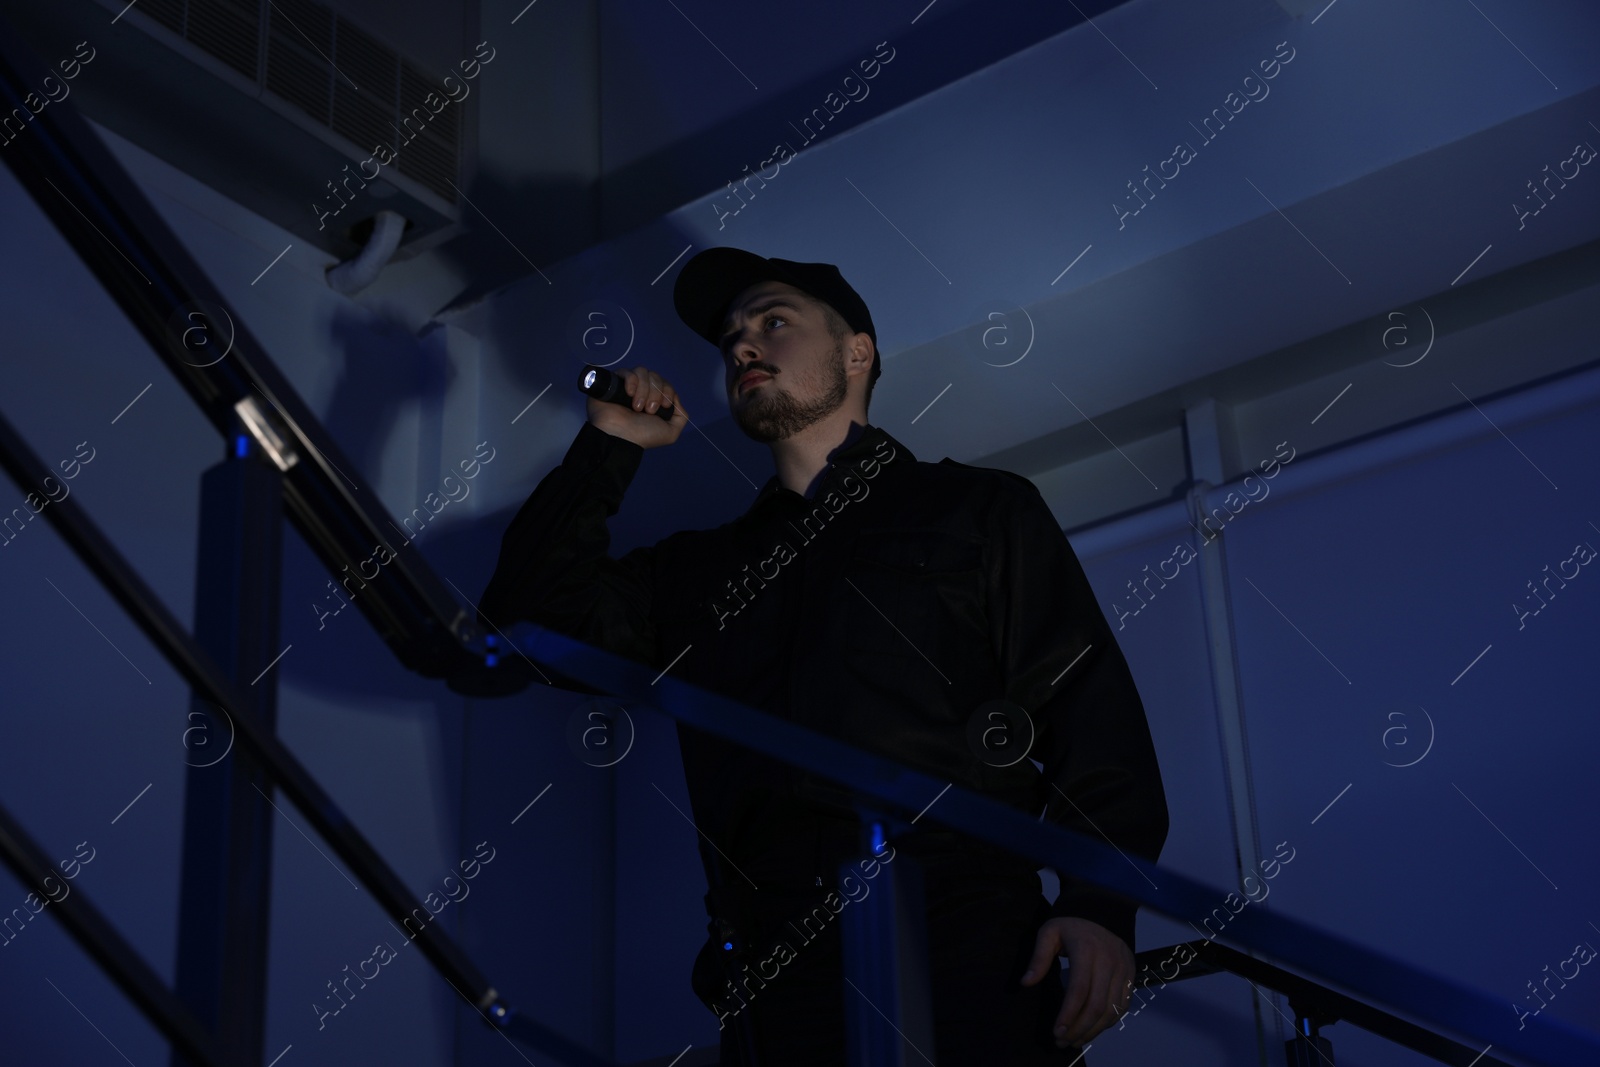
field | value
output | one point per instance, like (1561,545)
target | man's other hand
(1099,981)
(638,422)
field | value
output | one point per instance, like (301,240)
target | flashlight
(603,385)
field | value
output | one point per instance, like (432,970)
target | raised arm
(554,567)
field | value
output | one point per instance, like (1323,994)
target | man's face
(784,371)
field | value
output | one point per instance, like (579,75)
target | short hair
(839,329)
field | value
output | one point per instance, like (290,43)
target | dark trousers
(789,1006)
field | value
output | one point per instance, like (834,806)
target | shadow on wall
(385,366)
(385,369)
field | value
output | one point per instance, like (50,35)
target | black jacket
(885,610)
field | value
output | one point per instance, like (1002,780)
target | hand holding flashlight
(642,392)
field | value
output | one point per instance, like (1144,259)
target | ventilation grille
(339,75)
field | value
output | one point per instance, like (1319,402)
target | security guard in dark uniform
(896,604)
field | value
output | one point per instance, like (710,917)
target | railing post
(1307,1048)
(227,829)
(888,1006)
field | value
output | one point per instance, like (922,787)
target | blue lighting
(877,838)
(727,946)
(491,659)
(241,446)
(490,641)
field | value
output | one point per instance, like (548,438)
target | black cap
(708,283)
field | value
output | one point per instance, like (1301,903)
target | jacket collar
(859,449)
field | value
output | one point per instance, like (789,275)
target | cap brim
(708,283)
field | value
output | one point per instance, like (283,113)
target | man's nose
(744,351)
(744,354)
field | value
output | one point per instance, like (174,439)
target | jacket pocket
(918,591)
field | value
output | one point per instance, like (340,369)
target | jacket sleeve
(554,569)
(1062,664)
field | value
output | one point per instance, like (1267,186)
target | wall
(1420,751)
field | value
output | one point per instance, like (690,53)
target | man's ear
(861,352)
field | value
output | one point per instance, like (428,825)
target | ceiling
(1305,169)
(981,199)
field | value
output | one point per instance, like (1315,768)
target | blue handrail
(1421,994)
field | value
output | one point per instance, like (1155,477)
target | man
(886,601)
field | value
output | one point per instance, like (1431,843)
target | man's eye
(774,318)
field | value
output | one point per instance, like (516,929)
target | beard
(772,415)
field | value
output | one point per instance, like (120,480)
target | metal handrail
(95,934)
(881,783)
(145,268)
(142,265)
(1312,1000)
(208,680)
